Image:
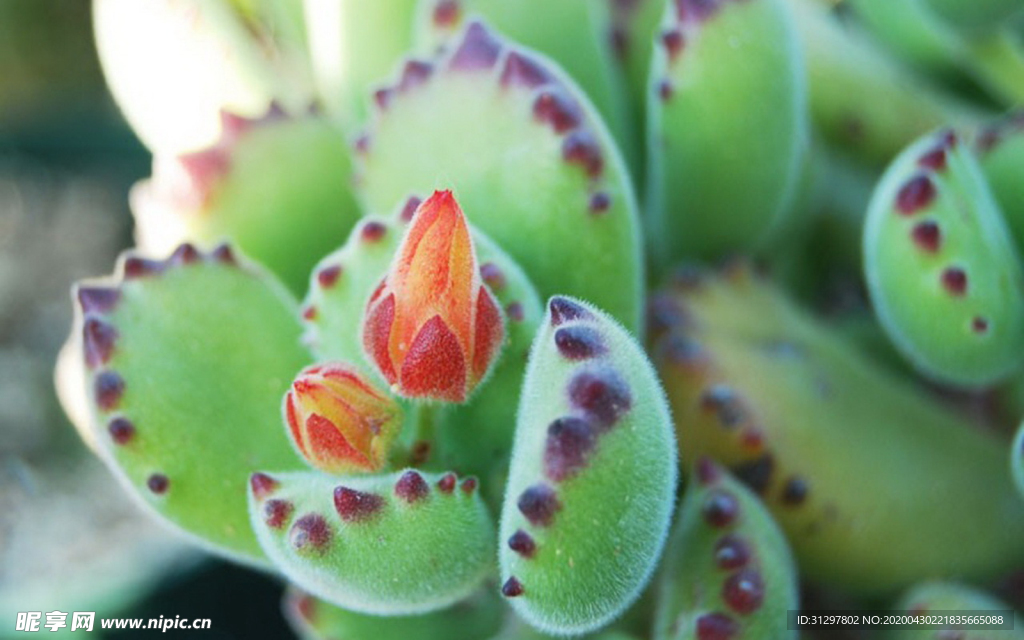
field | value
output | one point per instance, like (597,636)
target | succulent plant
(319,533)
(724,183)
(942,268)
(738,358)
(162,426)
(728,571)
(236,188)
(566,196)
(383,332)
(590,489)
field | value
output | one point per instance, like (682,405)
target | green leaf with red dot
(723,177)
(578,36)
(186,362)
(728,572)
(853,461)
(592,479)
(395,544)
(526,156)
(944,275)
(284,214)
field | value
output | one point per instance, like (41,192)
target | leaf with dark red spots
(575,186)
(569,444)
(815,406)
(938,252)
(728,572)
(385,544)
(742,171)
(286,223)
(183,365)
(478,50)
(594,452)
(601,393)
(577,36)
(356,506)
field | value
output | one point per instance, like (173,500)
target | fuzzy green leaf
(527,157)
(395,544)
(593,474)
(186,361)
(727,566)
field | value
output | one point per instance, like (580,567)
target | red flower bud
(338,421)
(432,328)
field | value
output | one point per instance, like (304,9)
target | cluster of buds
(432,329)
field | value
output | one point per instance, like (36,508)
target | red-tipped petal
(376,336)
(432,328)
(435,366)
(329,446)
(294,423)
(339,422)
(490,331)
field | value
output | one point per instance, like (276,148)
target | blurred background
(70,539)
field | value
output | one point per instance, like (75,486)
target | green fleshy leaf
(278,188)
(944,276)
(576,35)
(1000,152)
(722,176)
(550,189)
(396,544)
(354,44)
(186,363)
(593,475)
(727,566)
(478,617)
(854,463)
(635,25)
(340,287)
(860,98)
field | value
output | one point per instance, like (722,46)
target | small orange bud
(432,328)
(338,421)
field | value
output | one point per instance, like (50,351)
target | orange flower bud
(432,328)
(338,421)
